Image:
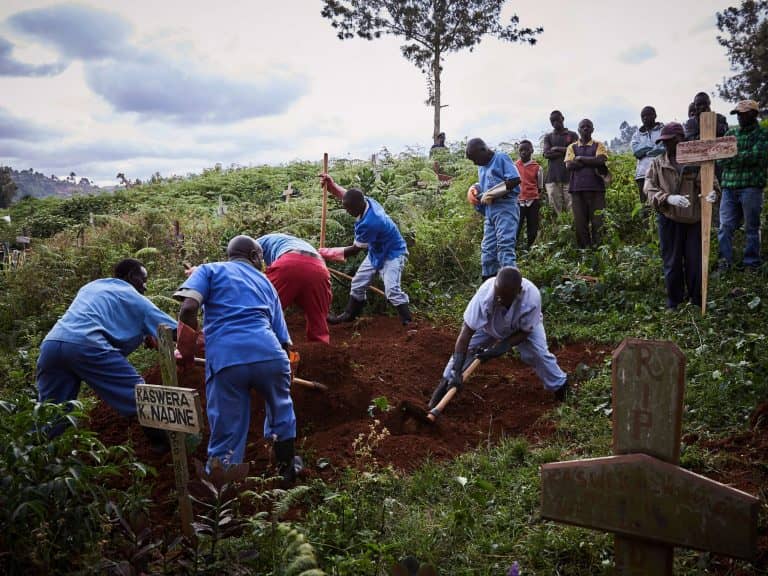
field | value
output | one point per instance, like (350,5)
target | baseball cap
(670,131)
(745,106)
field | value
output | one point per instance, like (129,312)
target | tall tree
(431,29)
(7,187)
(745,38)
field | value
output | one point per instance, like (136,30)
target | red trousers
(306,282)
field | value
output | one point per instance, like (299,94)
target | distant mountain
(37,185)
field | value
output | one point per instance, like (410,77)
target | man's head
(691,110)
(746,111)
(648,117)
(353,202)
(133,272)
(585,130)
(557,120)
(478,152)
(701,103)
(245,248)
(507,286)
(525,149)
(671,135)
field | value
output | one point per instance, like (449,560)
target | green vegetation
(475,515)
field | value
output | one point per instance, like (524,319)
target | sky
(177,86)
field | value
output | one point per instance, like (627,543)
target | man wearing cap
(674,191)
(743,179)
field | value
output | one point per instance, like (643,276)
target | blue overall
(502,216)
(107,320)
(244,336)
(387,252)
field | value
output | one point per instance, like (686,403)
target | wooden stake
(707,123)
(178,445)
(325,202)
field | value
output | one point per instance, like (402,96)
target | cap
(745,106)
(670,131)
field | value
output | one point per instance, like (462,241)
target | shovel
(429,417)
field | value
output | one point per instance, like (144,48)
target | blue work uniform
(492,322)
(502,216)
(107,320)
(277,244)
(387,253)
(245,332)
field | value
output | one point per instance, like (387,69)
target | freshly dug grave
(376,357)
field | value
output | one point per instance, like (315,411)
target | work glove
(186,344)
(472,195)
(678,200)
(456,378)
(711,197)
(333,254)
(495,351)
(189,271)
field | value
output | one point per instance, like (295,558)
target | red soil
(377,357)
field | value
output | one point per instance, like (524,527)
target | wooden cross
(288,192)
(704,152)
(174,409)
(641,494)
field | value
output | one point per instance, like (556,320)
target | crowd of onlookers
(509,194)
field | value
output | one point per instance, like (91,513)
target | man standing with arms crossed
(555,145)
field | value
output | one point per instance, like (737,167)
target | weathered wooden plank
(642,497)
(648,386)
(706,150)
(168,408)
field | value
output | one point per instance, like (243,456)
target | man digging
(506,310)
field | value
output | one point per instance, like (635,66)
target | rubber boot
(352,311)
(288,464)
(405,314)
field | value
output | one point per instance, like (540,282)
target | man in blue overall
(108,319)
(246,342)
(376,232)
(496,192)
(505,312)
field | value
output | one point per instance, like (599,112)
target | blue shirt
(376,230)
(109,313)
(498,170)
(275,245)
(484,313)
(243,320)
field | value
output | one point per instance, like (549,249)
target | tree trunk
(436,99)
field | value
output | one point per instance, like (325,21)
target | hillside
(33,184)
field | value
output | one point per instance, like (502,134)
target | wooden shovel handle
(437,410)
(341,274)
(324,213)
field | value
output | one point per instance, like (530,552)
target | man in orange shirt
(531,184)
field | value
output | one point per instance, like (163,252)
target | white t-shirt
(484,313)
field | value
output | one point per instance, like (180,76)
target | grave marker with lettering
(641,494)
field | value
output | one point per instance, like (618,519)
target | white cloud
(351,97)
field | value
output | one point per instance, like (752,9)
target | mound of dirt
(377,358)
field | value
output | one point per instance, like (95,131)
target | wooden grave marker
(176,410)
(704,152)
(641,494)
(288,192)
